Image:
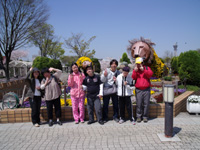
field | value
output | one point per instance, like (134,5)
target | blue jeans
(106,100)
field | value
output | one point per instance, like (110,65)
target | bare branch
(17,19)
(80,46)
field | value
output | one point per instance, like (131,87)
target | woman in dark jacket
(34,94)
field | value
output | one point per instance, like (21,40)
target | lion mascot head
(141,48)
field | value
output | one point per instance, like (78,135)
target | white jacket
(124,90)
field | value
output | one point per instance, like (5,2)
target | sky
(115,22)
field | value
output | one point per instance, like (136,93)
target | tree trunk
(7,72)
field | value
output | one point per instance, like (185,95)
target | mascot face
(141,48)
(85,63)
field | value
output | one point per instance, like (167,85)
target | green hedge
(189,67)
(168,78)
(96,64)
(42,62)
(174,65)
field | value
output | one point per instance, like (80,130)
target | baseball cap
(139,60)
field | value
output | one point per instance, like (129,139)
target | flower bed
(155,110)
(159,97)
(155,79)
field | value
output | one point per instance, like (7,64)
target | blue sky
(114,22)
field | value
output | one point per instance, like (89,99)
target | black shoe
(105,120)
(50,123)
(138,120)
(90,122)
(145,120)
(116,119)
(59,122)
(101,122)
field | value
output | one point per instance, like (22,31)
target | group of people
(111,84)
(48,88)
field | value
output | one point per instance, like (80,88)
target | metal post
(168,97)
(169,119)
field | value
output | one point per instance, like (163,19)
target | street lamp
(168,97)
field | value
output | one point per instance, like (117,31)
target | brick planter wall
(16,86)
(155,110)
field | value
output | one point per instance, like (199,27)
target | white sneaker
(37,125)
(121,121)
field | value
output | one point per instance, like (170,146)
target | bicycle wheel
(10,100)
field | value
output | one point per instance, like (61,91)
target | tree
(42,62)
(17,18)
(67,60)
(79,46)
(174,65)
(44,39)
(96,64)
(16,55)
(56,52)
(125,58)
(167,57)
(189,67)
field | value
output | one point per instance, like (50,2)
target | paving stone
(109,136)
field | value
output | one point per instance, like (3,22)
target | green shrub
(189,87)
(42,62)
(165,70)
(96,64)
(168,78)
(125,58)
(189,67)
(174,65)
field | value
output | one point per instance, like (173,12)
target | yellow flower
(62,102)
(82,59)
(152,92)
(85,103)
(134,92)
(157,65)
(69,102)
(155,80)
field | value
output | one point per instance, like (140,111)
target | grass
(190,87)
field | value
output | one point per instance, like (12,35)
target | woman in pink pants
(75,81)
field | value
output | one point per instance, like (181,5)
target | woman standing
(75,81)
(108,77)
(34,94)
(52,93)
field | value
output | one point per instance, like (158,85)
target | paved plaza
(111,136)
